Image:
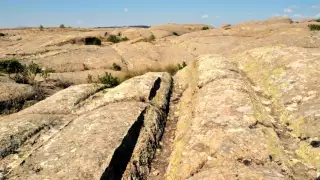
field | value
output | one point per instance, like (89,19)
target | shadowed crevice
(123,153)
(154,89)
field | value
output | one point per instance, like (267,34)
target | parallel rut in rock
(161,159)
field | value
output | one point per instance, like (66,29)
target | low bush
(125,39)
(85,67)
(205,28)
(62,26)
(314,27)
(109,80)
(92,41)
(41,28)
(116,39)
(318,20)
(11,66)
(22,73)
(2,34)
(151,38)
(175,33)
(116,67)
(113,38)
(90,78)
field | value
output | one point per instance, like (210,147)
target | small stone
(291,109)
(310,93)
(305,99)
(297,99)
(256,89)
(161,143)
(266,102)
(244,109)
(209,158)
(268,109)
(156,173)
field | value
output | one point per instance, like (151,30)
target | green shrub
(113,38)
(152,38)
(125,39)
(205,28)
(116,39)
(314,27)
(318,20)
(119,34)
(2,34)
(23,73)
(92,41)
(116,67)
(41,28)
(34,68)
(11,66)
(62,26)
(175,33)
(109,80)
(89,78)
(183,65)
(85,67)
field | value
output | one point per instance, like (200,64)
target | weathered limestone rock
(115,135)
(225,132)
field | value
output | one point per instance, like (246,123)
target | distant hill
(136,26)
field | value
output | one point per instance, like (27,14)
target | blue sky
(84,13)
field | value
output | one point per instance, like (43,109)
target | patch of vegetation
(205,28)
(62,26)
(22,73)
(41,28)
(90,79)
(318,20)
(151,38)
(171,69)
(92,41)
(175,34)
(116,67)
(116,39)
(108,80)
(85,67)
(113,38)
(148,39)
(314,27)
(125,39)
(11,66)
(2,34)
(119,34)
(183,65)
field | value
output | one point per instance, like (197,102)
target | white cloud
(205,16)
(288,10)
(315,6)
(126,10)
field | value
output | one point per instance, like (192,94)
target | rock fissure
(123,153)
